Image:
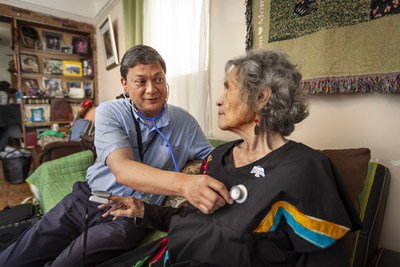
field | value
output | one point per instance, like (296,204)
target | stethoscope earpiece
(239,193)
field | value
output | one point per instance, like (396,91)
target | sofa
(366,181)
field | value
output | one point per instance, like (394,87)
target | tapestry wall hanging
(350,46)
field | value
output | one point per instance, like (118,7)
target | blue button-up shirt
(115,128)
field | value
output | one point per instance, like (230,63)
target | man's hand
(124,207)
(205,193)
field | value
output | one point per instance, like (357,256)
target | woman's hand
(124,207)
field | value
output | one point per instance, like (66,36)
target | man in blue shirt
(141,144)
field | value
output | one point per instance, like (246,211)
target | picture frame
(73,85)
(75,89)
(52,40)
(109,45)
(30,87)
(37,115)
(87,67)
(52,87)
(80,45)
(53,66)
(67,49)
(72,68)
(88,87)
(29,63)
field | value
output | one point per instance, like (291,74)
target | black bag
(16,167)
(15,220)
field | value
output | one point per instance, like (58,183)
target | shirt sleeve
(159,217)
(110,131)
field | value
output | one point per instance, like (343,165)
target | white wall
(348,121)
(109,80)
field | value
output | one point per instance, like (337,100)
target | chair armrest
(373,205)
(53,151)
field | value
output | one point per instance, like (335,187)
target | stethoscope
(153,120)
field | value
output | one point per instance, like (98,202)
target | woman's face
(147,88)
(233,112)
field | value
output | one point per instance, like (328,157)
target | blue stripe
(165,257)
(315,238)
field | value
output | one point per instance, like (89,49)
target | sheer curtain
(179,30)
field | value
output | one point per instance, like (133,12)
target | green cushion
(216,142)
(54,179)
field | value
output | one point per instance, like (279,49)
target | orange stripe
(314,224)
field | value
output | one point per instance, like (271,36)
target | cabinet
(56,71)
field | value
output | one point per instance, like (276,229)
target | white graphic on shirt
(258,171)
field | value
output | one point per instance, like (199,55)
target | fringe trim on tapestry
(249,27)
(382,83)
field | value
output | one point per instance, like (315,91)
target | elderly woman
(291,207)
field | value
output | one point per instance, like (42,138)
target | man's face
(147,88)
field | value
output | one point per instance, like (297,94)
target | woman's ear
(264,97)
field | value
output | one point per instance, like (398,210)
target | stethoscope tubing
(153,120)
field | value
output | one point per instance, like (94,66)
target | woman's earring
(256,128)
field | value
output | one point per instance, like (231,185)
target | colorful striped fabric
(319,232)
(363,199)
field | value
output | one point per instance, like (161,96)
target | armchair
(61,149)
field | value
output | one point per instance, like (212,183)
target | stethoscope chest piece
(239,193)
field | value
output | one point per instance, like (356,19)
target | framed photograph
(71,85)
(88,87)
(52,40)
(81,45)
(53,66)
(29,63)
(30,87)
(37,115)
(72,68)
(52,87)
(67,49)
(87,67)
(109,45)
(75,90)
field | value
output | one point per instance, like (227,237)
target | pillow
(352,165)
(81,127)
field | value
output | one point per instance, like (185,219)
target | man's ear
(264,97)
(123,82)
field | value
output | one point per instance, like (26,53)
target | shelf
(69,99)
(52,54)
(46,123)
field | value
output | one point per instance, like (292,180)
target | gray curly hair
(287,105)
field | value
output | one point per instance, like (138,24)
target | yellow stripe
(314,224)
(371,182)
(362,212)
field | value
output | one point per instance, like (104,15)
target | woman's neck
(255,147)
